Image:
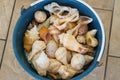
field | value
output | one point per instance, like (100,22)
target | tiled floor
(109,12)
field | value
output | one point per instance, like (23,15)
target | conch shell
(90,38)
(51,48)
(30,36)
(71,43)
(77,61)
(61,55)
(36,47)
(54,66)
(41,63)
(66,72)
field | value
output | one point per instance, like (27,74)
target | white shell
(41,63)
(88,59)
(93,32)
(51,48)
(71,43)
(54,66)
(81,39)
(77,61)
(36,47)
(61,55)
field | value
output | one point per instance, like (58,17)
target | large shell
(51,48)
(77,61)
(90,39)
(29,38)
(69,40)
(54,66)
(36,47)
(61,55)
(41,63)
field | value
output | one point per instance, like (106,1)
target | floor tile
(2,43)
(6,7)
(10,69)
(113,69)
(98,73)
(103,4)
(115,37)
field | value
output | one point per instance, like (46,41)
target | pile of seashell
(60,45)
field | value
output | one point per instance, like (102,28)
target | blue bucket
(27,16)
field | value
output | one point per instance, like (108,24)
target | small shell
(93,32)
(29,38)
(54,66)
(41,63)
(51,48)
(40,16)
(81,39)
(61,55)
(46,24)
(36,47)
(91,40)
(44,34)
(77,61)
(88,59)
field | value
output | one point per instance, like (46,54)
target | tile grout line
(105,72)
(2,39)
(102,9)
(7,33)
(114,56)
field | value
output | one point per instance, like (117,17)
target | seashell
(36,47)
(74,31)
(84,20)
(70,25)
(29,38)
(69,40)
(41,63)
(91,40)
(44,34)
(81,39)
(64,12)
(53,18)
(88,59)
(53,30)
(93,32)
(61,55)
(46,24)
(66,72)
(51,48)
(40,16)
(53,8)
(77,61)
(54,66)
(83,29)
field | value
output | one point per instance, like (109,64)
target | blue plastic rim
(27,16)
